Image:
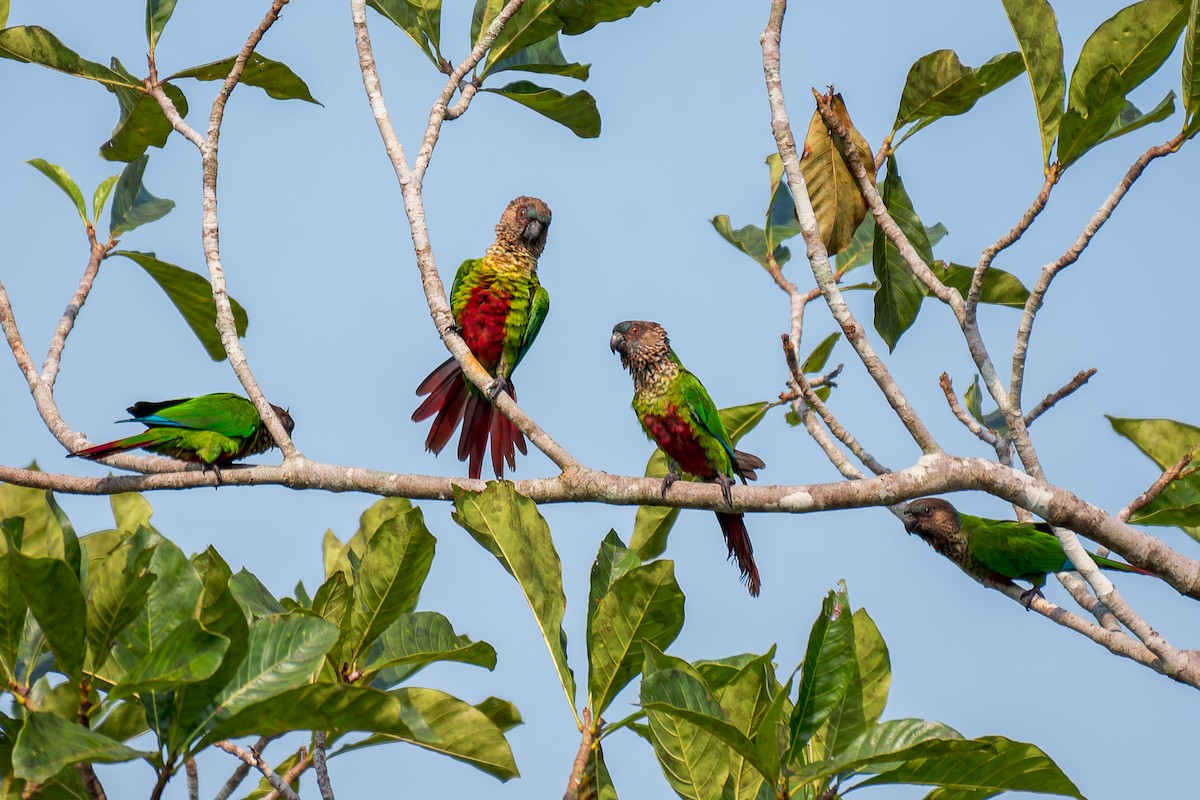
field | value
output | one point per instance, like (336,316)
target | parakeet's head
(525,224)
(639,343)
(289,424)
(931,517)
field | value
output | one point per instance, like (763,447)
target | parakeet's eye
(634,329)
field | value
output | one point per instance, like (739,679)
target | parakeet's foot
(1028,595)
(726,483)
(668,482)
(497,386)
(216,473)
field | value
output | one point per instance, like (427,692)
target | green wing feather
(705,414)
(465,269)
(539,307)
(1015,549)
(225,413)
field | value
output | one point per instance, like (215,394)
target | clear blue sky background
(316,247)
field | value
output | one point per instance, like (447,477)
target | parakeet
(678,415)
(994,549)
(499,305)
(212,430)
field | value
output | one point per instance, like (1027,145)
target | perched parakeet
(678,415)
(212,430)
(995,549)
(499,306)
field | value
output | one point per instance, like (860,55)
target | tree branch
(1051,399)
(63,330)
(253,759)
(304,760)
(586,741)
(985,435)
(318,756)
(243,769)
(193,779)
(1007,240)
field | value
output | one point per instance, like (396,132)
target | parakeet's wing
(1014,548)
(539,307)
(225,413)
(704,413)
(464,270)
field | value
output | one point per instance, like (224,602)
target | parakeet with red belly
(499,305)
(678,415)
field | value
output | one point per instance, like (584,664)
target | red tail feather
(737,538)
(106,449)
(453,400)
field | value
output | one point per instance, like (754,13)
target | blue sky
(316,248)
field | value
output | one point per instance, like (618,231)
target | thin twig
(1038,294)
(579,766)
(318,755)
(243,769)
(304,760)
(59,341)
(256,761)
(193,779)
(986,435)
(1007,240)
(821,436)
(818,256)
(1170,474)
(1052,398)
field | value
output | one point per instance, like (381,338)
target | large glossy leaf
(130,511)
(580,16)
(899,297)
(62,180)
(133,205)
(750,239)
(158,12)
(858,253)
(124,721)
(45,528)
(653,524)
(389,581)
(420,19)
(1131,118)
(47,743)
(596,783)
(746,699)
(510,527)
(613,560)
(940,85)
(576,111)
(826,672)
(273,77)
(424,717)
(835,196)
(100,196)
(816,360)
(643,605)
(55,599)
(191,294)
(188,654)
(13,610)
(866,694)
(1082,128)
(1191,70)
(544,57)
(999,287)
(1036,27)
(781,223)
(1165,441)
(418,639)
(142,123)
(255,599)
(535,21)
(874,746)
(501,712)
(118,587)
(4,7)
(36,45)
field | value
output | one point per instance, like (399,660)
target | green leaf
(866,694)
(596,783)
(1165,441)
(900,293)
(191,294)
(101,196)
(612,561)
(694,760)
(575,111)
(751,240)
(503,714)
(63,181)
(273,77)
(35,45)
(939,85)
(509,526)
(130,511)
(142,123)
(188,654)
(544,57)
(3,13)
(418,639)
(420,19)
(118,588)
(858,253)
(332,600)
(393,569)
(820,354)
(133,206)
(993,419)
(535,21)
(425,717)
(255,599)
(826,672)
(653,523)
(158,12)
(123,722)
(999,287)
(54,597)
(1130,118)
(876,749)
(48,743)
(746,700)
(13,610)
(1191,70)
(1036,27)
(1082,128)
(781,223)
(283,652)
(643,605)
(581,16)
(1135,42)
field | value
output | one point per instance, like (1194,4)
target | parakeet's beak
(910,523)
(616,343)
(534,229)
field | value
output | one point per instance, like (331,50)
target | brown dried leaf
(836,199)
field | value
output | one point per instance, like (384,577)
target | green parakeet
(994,549)
(678,415)
(500,305)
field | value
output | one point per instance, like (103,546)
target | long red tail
(737,539)
(453,400)
(112,448)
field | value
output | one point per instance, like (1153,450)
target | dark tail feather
(112,448)
(472,442)
(447,390)
(745,465)
(1108,563)
(737,539)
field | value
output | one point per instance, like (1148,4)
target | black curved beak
(534,229)
(616,342)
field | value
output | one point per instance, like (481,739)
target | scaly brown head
(524,225)
(934,520)
(289,424)
(640,344)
